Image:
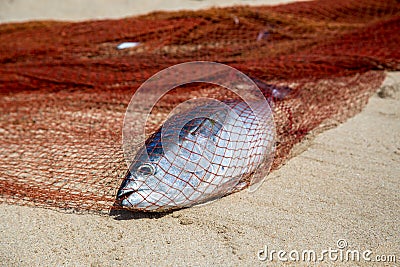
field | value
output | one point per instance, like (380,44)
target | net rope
(65,87)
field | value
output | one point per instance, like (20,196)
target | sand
(24,10)
(344,186)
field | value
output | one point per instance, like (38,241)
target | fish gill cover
(65,86)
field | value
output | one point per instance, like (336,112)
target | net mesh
(65,87)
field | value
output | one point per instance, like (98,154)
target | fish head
(164,178)
(143,177)
(172,173)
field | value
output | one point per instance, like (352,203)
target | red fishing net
(65,86)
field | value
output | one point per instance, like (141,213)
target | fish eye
(146,169)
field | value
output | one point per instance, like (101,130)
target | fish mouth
(130,198)
(128,187)
(125,193)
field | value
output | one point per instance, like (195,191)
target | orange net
(65,86)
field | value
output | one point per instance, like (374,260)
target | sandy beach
(25,10)
(340,191)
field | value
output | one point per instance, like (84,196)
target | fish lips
(128,187)
(125,197)
(125,193)
(130,194)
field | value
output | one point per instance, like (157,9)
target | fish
(198,155)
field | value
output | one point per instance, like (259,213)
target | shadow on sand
(119,213)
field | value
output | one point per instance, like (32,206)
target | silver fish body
(197,156)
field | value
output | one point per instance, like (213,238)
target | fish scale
(198,155)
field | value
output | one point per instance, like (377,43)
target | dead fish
(198,156)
